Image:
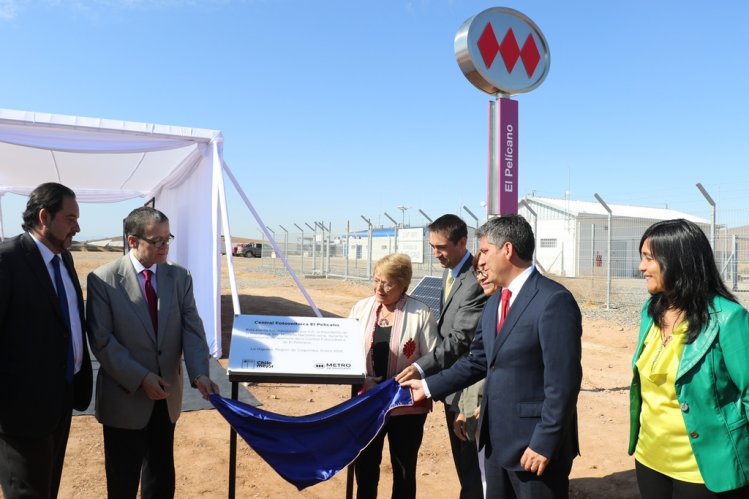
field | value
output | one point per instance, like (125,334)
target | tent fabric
(306,450)
(111,161)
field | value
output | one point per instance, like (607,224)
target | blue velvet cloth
(306,450)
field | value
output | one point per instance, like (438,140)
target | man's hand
(533,461)
(155,387)
(410,372)
(459,427)
(205,386)
(417,389)
(370,382)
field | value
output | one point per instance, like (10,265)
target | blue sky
(333,109)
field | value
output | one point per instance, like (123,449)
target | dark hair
(513,229)
(690,276)
(452,225)
(140,218)
(49,196)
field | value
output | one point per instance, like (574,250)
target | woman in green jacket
(690,390)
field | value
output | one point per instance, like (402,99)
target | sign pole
(492,175)
(502,182)
(502,53)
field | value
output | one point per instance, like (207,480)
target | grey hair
(513,229)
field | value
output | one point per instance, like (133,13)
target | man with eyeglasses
(142,320)
(461,304)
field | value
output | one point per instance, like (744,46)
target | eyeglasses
(158,243)
(387,286)
(479,274)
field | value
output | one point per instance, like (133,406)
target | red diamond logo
(530,55)
(488,45)
(509,50)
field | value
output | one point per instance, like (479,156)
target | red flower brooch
(409,348)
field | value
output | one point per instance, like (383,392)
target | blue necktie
(62,297)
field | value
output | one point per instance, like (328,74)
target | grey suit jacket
(457,323)
(123,340)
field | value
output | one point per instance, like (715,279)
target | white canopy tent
(110,161)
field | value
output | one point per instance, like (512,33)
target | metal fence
(596,257)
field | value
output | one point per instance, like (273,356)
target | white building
(572,236)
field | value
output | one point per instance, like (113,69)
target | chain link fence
(596,257)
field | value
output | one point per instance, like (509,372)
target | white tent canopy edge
(112,160)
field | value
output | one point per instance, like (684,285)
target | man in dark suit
(142,320)
(44,361)
(461,304)
(528,348)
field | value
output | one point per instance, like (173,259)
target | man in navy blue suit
(527,346)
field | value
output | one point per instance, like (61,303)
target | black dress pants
(145,456)
(466,458)
(32,467)
(502,483)
(656,485)
(404,435)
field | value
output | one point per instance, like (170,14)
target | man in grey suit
(142,320)
(461,305)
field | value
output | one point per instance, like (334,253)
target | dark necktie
(62,297)
(504,307)
(151,300)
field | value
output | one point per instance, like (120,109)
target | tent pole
(219,183)
(2,229)
(276,248)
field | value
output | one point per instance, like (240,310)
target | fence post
(527,206)
(430,247)
(395,228)
(712,220)
(330,236)
(476,220)
(347,249)
(735,264)
(314,244)
(301,253)
(369,246)
(285,240)
(608,258)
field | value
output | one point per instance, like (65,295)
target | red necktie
(504,307)
(151,300)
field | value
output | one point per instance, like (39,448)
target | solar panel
(429,292)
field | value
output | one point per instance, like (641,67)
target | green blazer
(712,388)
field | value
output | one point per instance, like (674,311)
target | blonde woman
(397,330)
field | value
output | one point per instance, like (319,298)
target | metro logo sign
(489,48)
(495,32)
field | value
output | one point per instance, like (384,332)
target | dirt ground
(202,437)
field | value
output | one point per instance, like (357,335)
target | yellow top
(663,443)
